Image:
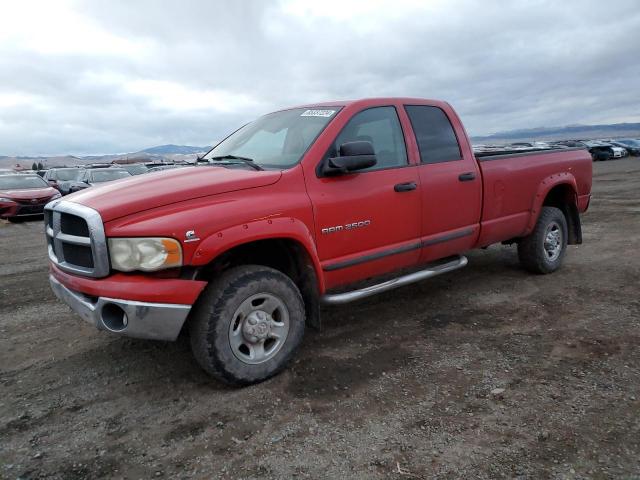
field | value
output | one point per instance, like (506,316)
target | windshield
(277,140)
(19,182)
(630,142)
(66,174)
(105,175)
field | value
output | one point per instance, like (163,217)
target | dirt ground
(398,386)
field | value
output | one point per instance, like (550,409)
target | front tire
(544,249)
(247,325)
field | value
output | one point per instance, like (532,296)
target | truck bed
(514,182)
(498,153)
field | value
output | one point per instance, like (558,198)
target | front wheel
(544,249)
(247,324)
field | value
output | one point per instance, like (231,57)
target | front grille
(78,255)
(38,201)
(30,210)
(76,239)
(74,225)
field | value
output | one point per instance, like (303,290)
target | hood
(29,193)
(131,195)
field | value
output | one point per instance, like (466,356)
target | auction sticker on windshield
(317,113)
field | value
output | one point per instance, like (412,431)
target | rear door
(451,185)
(367,222)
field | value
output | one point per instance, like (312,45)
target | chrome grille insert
(85,255)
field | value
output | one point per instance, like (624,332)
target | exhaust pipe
(114,318)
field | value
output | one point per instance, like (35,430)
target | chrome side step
(340,298)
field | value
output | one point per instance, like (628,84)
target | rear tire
(247,325)
(544,249)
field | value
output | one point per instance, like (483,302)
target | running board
(346,297)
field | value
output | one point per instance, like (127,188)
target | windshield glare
(18,182)
(135,169)
(277,140)
(108,175)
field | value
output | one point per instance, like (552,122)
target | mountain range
(169,153)
(174,149)
(160,153)
(569,132)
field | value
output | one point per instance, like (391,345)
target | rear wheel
(247,325)
(544,249)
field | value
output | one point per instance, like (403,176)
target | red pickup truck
(326,203)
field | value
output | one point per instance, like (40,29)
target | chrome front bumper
(156,321)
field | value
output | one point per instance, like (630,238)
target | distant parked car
(600,151)
(98,165)
(151,165)
(133,168)
(530,145)
(619,152)
(24,196)
(166,167)
(572,143)
(632,146)
(96,176)
(60,178)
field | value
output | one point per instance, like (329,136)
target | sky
(115,76)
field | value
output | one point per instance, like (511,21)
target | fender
(564,178)
(287,228)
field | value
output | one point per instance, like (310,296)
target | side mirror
(353,156)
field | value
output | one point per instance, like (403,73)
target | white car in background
(619,152)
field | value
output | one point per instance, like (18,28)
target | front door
(367,222)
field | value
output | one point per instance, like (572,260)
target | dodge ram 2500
(325,203)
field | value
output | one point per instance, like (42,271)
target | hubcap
(259,328)
(553,241)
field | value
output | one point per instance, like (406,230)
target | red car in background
(24,196)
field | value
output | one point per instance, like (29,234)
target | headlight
(5,199)
(146,254)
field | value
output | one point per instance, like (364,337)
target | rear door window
(436,139)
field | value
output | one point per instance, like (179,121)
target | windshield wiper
(245,160)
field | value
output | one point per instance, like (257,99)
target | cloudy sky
(111,76)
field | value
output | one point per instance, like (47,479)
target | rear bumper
(157,321)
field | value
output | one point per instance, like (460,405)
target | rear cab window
(437,141)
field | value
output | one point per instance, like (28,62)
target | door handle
(467,177)
(405,187)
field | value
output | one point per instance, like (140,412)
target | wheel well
(564,197)
(285,255)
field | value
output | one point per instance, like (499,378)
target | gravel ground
(487,372)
